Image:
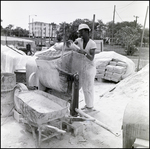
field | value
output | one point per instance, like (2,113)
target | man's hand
(81,51)
(68,43)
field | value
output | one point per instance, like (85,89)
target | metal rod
(64,40)
(29,26)
(93,26)
(96,121)
(113,23)
(142,39)
(75,96)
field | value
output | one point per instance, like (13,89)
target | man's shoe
(87,110)
(83,108)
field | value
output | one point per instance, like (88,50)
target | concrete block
(108,75)
(75,128)
(123,64)
(116,76)
(140,143)
(115,80)
(108,72)
(78,128)
(119,69)
(102,63)
(17,116)
(99,77)
(113,63)
(110,68)
(100,71)
(107,78)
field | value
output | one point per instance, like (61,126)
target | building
(42,30)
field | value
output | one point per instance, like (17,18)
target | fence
(99,44)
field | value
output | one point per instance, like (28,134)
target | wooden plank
(96,121)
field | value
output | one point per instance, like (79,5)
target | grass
(144,54)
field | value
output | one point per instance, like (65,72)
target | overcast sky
(17,12)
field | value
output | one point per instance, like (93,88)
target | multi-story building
(42,30)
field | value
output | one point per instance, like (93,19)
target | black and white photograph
(74,74)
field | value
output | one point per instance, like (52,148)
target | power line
(126,5)
(119,16)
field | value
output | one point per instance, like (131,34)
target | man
(87,48)
(28,47)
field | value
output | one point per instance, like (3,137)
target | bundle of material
(101,67)
(48,54)
(114,70)
(48,70)
(13,59)
(51,62)
(113,66)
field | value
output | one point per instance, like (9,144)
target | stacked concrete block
(111,70)
(100,68)
(114,70)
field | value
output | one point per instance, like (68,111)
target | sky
(18,13)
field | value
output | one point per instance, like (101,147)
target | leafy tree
(64,30)
(99,31)
(146,36)
(9,29)
(74,27)
(128,35)
(1,25)
(71,29)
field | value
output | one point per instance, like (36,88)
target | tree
(9,28)
(65,30)
(128,37)
(100,29)
(117,26)
(146,37)
(109,29)
(1,25)
(74,27)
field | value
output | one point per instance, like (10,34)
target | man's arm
(89,56)
(92,54)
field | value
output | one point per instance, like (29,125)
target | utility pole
(45,32)
(142,39)
(52,33)
(49,34)
(32,27)
(93,26)
(41,34)
(64,41)
(136,20)
(29,26)
(113,23)
(6,35)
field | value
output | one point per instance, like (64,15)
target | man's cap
(83,26)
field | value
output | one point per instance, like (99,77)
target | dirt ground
(14,135)
(110,102)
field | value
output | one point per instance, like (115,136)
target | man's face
(81,33)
